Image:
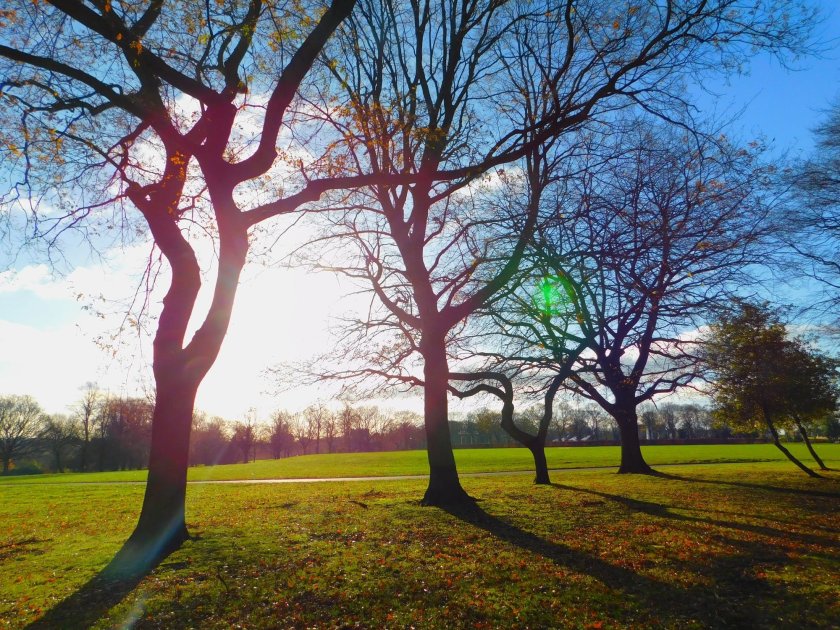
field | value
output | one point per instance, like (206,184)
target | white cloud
(279,315)
(34,278)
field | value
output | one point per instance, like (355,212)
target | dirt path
(495,473)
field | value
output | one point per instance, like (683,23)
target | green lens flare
(554,296)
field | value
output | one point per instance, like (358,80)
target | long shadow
(751,486)
(664,511)
(665,601)
(97,596)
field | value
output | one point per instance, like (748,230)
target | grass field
(740,545)
(469,461)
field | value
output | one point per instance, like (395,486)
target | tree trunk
(534,443)
(6,462)
(811,450)
(178,371)
(632,460)
(444,485)
(161,527)
(786,452)
(537,449)
(84,456)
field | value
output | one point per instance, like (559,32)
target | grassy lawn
(741,545)
(469,461)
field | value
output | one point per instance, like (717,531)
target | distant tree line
(661,423)
(103,433)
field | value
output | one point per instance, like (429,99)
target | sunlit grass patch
(739,545)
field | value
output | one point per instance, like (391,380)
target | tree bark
(6,462)
(537,449)
(534,443)
(162,528)
(632,460)
(786,452)
(444,485)
(178,371)
(811,450)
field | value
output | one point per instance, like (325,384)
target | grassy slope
(469,461)
(746,545)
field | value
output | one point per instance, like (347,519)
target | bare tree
(244,440)
(668,414)
(124,433)
(660,228)
(59,434)
(316,417)
(281,437)
(811,223)
(649,420)
(303,430)
(347,420)
(86,410)
(210,441)
(366,421)
(20,423)
(330,431)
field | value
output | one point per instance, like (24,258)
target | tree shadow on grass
(101,593)
(741,594)
(664,511)
(821,494)
(667,603)
(88,604)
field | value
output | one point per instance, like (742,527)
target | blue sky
(48,342)
(782,105)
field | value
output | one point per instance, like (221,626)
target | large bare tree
(660,228)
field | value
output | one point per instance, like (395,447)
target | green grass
(469,461)
(742,545)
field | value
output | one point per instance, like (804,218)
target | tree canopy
(761,378)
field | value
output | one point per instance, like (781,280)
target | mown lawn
(469,461)
(740,545)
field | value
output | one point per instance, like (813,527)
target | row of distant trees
(662,423)
(110,433)
(99,434)
(317,429)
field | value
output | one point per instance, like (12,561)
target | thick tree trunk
(632,460)
(6,462)
(811,450)
(161,527)
(537,449)
(534,443)
(444,485)
(178,371)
